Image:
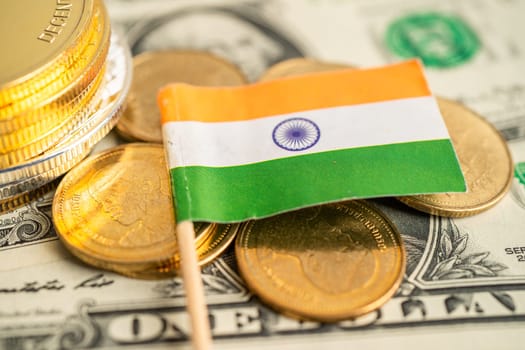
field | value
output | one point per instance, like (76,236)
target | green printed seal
(519,172)
(439,40)
(518,184)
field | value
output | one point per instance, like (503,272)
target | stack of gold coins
(114,211)
(53,81)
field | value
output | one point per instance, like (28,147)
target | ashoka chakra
(296,134)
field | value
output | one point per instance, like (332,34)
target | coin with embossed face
(117,206)
(153,70)
(325,263)
(299,66)
(115,211)
(484,158)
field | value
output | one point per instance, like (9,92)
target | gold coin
(105,112)
(33,140)
(37,120)
(117,206)
(152,70)
(215,243)
(209,246)
(325,263)
(114,211)
(299,66)
(151,269)
(43,48)
(484,158)
(64,90)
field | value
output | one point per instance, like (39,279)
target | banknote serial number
(57,22)
(519,252)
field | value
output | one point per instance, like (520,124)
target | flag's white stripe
(245,142)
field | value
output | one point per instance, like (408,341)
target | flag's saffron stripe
(243,142)
(282,96)
(228,194)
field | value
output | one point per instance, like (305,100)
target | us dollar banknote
(464,285)
(473,50)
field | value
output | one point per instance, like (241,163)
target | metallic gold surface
(299,66)
(28,142)
(152,70)
(326,263)
(484,158)
(37,120)
(65,89)
(209,245)
(103,116)
(115,211)
(215,243)
(150,269)
(117,206)
(43,47)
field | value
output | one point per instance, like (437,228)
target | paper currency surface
(465,280)
(475,47)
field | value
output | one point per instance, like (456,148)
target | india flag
(237,153)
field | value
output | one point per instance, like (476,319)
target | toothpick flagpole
(195,301)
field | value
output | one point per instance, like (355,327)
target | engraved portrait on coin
(239,34)
(326,263)
(328,247)
(128,201)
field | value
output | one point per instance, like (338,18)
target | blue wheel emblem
(296,134)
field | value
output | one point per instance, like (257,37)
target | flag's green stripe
(228,194)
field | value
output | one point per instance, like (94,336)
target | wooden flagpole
(195,301)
